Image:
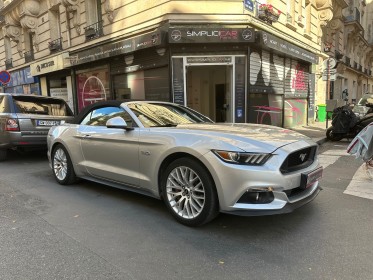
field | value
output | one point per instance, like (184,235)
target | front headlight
(242,158)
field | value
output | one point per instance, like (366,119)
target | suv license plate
(47,123)
(308,179)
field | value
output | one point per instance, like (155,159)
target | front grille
(299,160)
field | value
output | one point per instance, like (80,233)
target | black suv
(26,118)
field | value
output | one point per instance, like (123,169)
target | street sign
(331,61)
(331,71)
(332,77)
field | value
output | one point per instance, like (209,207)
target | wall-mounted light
(129,59)
(161,51)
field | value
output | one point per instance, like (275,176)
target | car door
(110,153)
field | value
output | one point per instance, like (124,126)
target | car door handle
(87,136)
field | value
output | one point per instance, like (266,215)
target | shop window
(151,84)
(93,86)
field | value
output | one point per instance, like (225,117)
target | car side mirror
(118,122)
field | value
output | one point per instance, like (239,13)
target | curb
(321,141)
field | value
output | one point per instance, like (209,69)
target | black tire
(3,154)
(333,136)
(62,166)
(199,200)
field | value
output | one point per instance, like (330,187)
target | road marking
(331,156)
(361,184)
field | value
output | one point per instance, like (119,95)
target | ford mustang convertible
(197,167)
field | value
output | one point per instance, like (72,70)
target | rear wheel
(62,166)
(330,135)
(189,192)
(3,154)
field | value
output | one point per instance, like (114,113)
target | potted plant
(268,13)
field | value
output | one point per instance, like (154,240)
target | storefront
(55,77)
(231,74)
(135,68)
(242,75)
(22,82)
(281,88)
(209,69)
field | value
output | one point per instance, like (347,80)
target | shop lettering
(47,64)
(221,34)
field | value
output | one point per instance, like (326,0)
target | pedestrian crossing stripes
(361,184)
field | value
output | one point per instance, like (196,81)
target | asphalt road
(89,231)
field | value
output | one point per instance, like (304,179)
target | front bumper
(234,182)
(288,208)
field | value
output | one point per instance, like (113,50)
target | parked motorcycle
(345,123)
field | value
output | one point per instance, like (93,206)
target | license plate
(47,123)
(307,179)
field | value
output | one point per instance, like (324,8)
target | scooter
(345,123)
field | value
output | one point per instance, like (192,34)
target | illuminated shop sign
(211,35)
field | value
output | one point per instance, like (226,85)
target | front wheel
(330,135)
(62,166)
(189,192)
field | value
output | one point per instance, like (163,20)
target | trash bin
(321,113)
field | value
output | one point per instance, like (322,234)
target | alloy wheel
(60,164)
(185,192)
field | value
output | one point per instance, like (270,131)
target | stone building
(234,61)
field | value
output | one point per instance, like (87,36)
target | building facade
(234,61)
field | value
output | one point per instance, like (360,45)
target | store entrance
(209,91)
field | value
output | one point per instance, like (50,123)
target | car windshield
(40,106)
(364,99)
(160,114)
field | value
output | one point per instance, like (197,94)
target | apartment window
(93,27)
(300,9)
(93,11)
(308,17)
(290,15)
(29,46)
(55,43)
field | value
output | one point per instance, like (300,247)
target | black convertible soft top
(82,114)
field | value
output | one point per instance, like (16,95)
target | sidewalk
(316,131)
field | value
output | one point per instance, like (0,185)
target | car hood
(245,136)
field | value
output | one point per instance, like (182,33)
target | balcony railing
(29,56)
(93,31)
(354,16)
(9,63)
(55,45)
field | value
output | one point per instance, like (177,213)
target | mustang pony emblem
(302,156)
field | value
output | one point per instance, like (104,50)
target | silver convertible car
(198,167)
